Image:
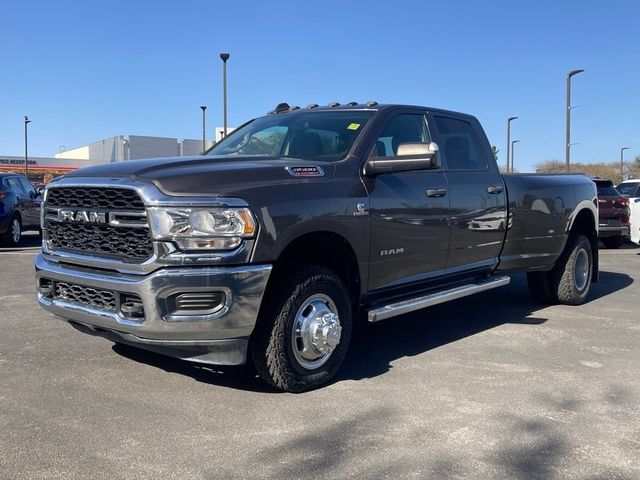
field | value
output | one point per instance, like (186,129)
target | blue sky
(87,70)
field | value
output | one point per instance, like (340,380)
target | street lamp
(509,120)
(568,122)
(224,57)
(622,162)
(26,146)
(203,107)
(513,157)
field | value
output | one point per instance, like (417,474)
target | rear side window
(629,189)
(460,145)
(607,191)
(14,185)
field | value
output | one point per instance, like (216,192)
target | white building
(133,147)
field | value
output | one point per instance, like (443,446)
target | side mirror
(411,156)
(33,194)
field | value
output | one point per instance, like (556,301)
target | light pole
(568,122)
(224,57)
(509,120)
(622,162)
(203,107)
(26,147)
(513,157)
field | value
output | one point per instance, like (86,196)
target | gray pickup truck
(274,243)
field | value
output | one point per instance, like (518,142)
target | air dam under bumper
(217,337)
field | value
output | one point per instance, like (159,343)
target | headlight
(202,228)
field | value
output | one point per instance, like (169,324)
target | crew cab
(271,245)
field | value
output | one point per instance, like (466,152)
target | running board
(413,304)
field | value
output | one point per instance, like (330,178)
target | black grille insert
(122,243)
(102,299)
(129,243)
(99,198)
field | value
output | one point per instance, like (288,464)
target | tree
(609,171)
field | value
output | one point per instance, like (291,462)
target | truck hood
(209,176)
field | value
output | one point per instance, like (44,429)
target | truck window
(460,145)
(403,128)
(309,135)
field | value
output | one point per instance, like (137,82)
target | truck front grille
(93,197)
(102,299)
(78,220)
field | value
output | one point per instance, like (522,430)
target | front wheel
(303,331)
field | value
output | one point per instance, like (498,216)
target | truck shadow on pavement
(375,346)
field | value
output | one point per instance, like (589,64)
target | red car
(613,214)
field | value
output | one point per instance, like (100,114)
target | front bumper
(218,338)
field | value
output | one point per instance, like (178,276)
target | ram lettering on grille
(80,223)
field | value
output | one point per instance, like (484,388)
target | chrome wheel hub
(581,270)
(15,230)
(316,331)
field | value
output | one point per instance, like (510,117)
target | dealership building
(113,149)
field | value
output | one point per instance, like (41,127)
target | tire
(294,344)
(569,281)
(11,238)
(612,242)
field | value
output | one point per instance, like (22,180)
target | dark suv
(19,208)
(613,214)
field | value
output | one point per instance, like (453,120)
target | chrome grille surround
(115,222)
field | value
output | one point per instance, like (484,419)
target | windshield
(320,135)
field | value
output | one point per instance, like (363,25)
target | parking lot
(492,386)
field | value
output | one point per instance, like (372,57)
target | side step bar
(413,304)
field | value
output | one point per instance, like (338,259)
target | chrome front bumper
(219,338)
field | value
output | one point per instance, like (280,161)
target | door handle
(436,192)
(495,190)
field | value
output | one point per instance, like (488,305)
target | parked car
(19,208)
(613,214)
(631,189)
(268,248)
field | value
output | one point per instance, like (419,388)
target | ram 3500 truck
(298,224)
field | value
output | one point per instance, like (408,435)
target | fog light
(196,303)
(46,287)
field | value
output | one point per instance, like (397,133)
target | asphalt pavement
(488,387)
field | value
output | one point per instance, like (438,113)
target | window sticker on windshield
(353,126)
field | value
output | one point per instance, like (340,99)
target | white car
(631,189)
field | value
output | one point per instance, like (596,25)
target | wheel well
(585,224)
(325,249)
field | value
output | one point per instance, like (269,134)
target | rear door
(478,219)
(409,210)
(32,203)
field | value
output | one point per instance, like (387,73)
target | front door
(409,210)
